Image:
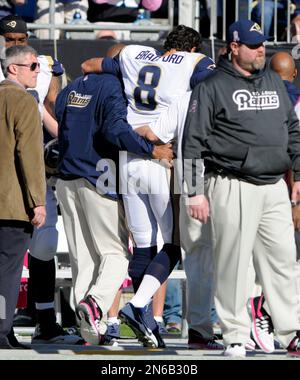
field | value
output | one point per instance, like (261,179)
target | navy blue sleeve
(203,70)
(35,94)
(111,65)
(115,126)
(60,103)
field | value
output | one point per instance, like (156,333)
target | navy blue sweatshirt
(91,113)
(243,125)
(293,91)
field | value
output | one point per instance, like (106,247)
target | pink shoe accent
(292,348)
(95,308)
(261,298)
(253,312)
(250,345)
(90,315)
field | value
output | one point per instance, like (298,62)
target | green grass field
(126,332)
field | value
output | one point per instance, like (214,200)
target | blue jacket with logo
(91,113)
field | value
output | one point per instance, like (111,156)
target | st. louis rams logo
(78,100)
(12,24)
(247,101)
(256,28)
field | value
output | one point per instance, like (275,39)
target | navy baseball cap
(246,32)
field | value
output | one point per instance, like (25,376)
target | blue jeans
(173,302)
(4,11)
(268,13)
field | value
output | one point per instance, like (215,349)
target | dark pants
(14,241)
(297,238)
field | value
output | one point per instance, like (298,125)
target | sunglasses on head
(32,66)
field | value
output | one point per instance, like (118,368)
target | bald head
(284,65)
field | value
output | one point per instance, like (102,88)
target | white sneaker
(92,327)
(236,350)
(261,325)
(250,345)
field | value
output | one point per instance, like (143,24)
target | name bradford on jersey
(150,56)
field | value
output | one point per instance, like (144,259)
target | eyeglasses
(32,66)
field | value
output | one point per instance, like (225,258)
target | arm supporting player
(92,65)
(146,132)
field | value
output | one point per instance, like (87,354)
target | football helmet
(51,156)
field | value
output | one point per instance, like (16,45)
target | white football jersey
(43,78)
(170,126)
(1,75)
(153,81)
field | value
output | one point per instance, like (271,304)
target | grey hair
(16,54)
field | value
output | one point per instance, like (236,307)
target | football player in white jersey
(44,241)
(152,81)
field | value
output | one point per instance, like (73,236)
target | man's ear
(234,47)
(12,69)
(295,73)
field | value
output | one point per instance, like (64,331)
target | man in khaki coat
(22,175)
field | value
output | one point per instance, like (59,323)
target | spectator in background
(106,35)
(22,176)
(269,10)
(173,307)
(295,23)
(163,10)
(7,7)
(119,11)
(284,65)
(64,12)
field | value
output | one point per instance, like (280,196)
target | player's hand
(296,217)
(199,208)
(163,152)
(39,217)
(18,2)
(92,65)
(293,7)
(295,196)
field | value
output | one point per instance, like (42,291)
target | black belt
(215,168)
